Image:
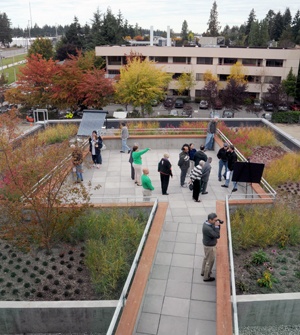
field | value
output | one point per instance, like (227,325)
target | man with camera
(211,233)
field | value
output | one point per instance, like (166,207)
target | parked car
(227,113)
(214,114)
(178,103)
(295,107)
(154,102)
(218,104)
(283,108)
(267,116)
(203,104)
(168,103)
(257,104)
(268,107)
(174,112)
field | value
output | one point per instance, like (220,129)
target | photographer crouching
(211,233)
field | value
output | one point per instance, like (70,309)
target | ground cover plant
(266,249)
(92,262)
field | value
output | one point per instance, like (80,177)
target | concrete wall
(56,317)
(269,309)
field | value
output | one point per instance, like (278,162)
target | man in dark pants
(200,155)
(223,161)
(165,170)
(184,164)
(211,233)
(206,168)
(232,159)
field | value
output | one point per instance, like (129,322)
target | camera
(220,221)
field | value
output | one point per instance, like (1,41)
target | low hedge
(286,117)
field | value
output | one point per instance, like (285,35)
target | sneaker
(209,279)
(122,151)
(220,179)
(224,186)
(234,190)
(204,193)
(184,185)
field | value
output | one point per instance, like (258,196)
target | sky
(146,13)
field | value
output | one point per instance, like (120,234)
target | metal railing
(232,277)
(122,300)
(271,193)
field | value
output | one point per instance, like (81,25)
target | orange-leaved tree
(34,82)
(38,202)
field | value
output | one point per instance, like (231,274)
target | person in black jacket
(200,155)
(96,144)
(223,161)
(165,170)
(232,159)
(184,163)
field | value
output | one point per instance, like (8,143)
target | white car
(203,104)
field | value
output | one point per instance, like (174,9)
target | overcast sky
(158,13)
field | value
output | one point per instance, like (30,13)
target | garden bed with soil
(40,276)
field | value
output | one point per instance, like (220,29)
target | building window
(179,60)
(251,62)
(254,79)
(159,59)
(274,63)
(223,77)
(114,60)
(175,76)
(230,61)
(272,80)
(199,76)
(113,71)
(205,60)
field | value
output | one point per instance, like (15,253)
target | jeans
(228,180)
(182,176)
(209,142)
(221,164)
(125,147)
(79,172)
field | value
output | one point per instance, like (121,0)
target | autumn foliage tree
(34,188)
(34,85)
(140,82)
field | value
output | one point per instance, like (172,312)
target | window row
(121,60)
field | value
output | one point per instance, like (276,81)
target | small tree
(276,95)
(34,189)
(234,94)
(210,90)
(140,82)
(185,82)
(290,84)
(43,47)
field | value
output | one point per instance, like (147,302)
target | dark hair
(231,147)
(202,147)
(212,216)
(185,145)
(123,124)
(134,148)
(95,131)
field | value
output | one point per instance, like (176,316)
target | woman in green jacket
(137,163)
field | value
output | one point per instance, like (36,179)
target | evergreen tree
(278,27)
(43,47)
(254,35)
(287,19)
(184,31)
(5,30)
(251,19)
(296,28)
(290,84)
(213,23)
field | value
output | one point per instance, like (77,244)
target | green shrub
(286,117)
(259,257)
(262,226)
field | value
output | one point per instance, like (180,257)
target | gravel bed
(270,330)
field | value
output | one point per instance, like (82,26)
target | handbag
(191,186)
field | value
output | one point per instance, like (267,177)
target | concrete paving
(176,301)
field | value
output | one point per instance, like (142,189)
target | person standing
(124,137)
(211,234)
(223,161)
(147,185)
(196,178)
(206,168)
(184,163)
(192,152)
(200,155)
(77,159)
(211,131)
(137,163)
(232,159)
(165,170)
(96,144)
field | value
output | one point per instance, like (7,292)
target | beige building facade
(262,65)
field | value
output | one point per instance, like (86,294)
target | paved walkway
(177,301)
